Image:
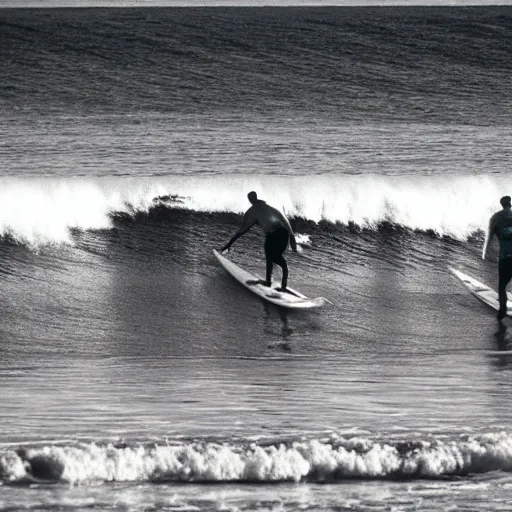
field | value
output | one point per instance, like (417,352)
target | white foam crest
(455,206)
(42,211)
(186,463)
(306,460)
(473,455)
(11,467)
(38,211)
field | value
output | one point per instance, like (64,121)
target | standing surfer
(277,230)
(500,224)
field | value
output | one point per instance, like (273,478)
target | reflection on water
(502,358)
(140,337)
(285,331)
(502,339)
(140,397)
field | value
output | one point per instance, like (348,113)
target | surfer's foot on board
(257,281)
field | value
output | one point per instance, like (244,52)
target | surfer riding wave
(500,225)
(278,233)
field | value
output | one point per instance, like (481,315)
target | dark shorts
(505,269)
(276,243)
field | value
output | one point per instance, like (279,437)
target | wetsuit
(278,233)
(501,226)
(276,243)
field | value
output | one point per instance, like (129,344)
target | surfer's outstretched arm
(235,237)
(488,236)
(293,242)
(247,224)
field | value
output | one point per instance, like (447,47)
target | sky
(148,3)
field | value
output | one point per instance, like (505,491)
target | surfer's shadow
(501,358)
(503,340)
(288,327)
(282,314)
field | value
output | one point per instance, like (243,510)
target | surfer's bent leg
(282,263)
(269,243)
(275,244)
(270,268)
(505,275)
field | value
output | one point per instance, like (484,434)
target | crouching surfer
(278,233)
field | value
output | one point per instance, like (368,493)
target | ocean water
(136,375)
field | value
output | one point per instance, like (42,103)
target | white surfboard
(482,291)
(291,299)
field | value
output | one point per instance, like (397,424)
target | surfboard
(482,291)
(291,299)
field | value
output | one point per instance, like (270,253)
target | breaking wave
(43,211)
(317,460)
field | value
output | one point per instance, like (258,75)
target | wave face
(317,460)
(451,65)
(45,211)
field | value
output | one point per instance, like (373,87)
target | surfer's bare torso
(268,218)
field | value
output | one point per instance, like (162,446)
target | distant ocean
(136,375)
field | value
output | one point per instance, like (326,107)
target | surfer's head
(253,197)
(505,201)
